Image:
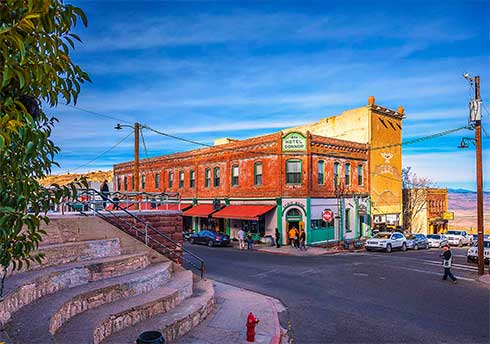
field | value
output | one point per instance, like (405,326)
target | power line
(98,114)
(101,154)
(144,143)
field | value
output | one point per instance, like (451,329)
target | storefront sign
(293,142)
(327,215)
(448,215)
(299,202)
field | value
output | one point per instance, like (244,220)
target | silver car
(437,240)
(416,241)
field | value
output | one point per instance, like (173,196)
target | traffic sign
(327,215)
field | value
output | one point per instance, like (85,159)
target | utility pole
(479,181)
(137,162)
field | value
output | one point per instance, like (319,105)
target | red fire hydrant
(251,323)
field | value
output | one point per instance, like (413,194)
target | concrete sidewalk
(485,278)
(310,251)
(227,323)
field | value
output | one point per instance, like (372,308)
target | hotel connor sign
(293,142)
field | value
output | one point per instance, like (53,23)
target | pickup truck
(458,238)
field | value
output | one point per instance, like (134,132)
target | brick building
(262,183)
(424,210)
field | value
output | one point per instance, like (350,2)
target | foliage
(35,41)
(414,197)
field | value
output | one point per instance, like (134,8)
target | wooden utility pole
(479,183)
(137,161)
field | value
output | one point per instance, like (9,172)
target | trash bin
(150,337)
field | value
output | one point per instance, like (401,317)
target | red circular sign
(327,215)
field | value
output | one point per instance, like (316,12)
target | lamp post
(136,171)
(475,123)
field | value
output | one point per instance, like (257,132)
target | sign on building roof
(293,142)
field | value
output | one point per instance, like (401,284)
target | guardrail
(92,202)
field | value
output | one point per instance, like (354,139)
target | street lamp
(136,166)
(464,142)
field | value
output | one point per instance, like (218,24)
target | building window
(321,170)
(360,175)
(118,184)
(132,183)
(170,179)
(216,176)
(336,173)
(181,179)
(157,181)
(347,220)
(293,172)
(234,175)
(143,181)
(207,178)
(347,174)
(192,179)
(258,173)
(125,183)
(320,224)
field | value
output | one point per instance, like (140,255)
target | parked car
(416,241)
(210,238)
(187,235)
(458,238)
(387,241)
(472,255)
(437,240)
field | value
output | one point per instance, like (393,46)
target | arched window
(347,174)
(181,179)
(336,169)
(207,178)
(216,176)
(360,175)
(192,179)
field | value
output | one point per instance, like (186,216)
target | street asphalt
(369,297)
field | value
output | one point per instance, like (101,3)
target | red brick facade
(247,155)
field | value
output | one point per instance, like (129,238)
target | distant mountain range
(464,191)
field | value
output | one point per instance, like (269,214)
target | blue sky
(205,70)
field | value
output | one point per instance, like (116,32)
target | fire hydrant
(251,323)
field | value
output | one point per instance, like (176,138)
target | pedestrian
(278,237)
(447,262)
(250,241)
(241,238)
(302,240)
(296,242)
(104,191)
(292,236)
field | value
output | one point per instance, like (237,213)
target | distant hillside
(463,204)
(464,191)
(62,179)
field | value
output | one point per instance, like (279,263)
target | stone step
(24,288)
(58,254)
(175,323)
(40,319)
(94,325)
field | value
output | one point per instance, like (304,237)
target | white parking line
(360,274)
(429,262)
(435,273)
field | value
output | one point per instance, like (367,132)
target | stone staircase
(99,285)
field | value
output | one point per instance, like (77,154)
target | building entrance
(294,219)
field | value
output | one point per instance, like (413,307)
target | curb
(315,255)
(485,279)
(276,339)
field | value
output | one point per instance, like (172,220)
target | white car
(472,255)
(387,241)
(437,240)
(458,238)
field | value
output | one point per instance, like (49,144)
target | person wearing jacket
(447,263)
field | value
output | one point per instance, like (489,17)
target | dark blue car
(210,238)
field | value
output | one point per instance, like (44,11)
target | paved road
(363,298)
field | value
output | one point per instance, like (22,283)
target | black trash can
(150,337)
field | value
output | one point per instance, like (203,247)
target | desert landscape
(463,203)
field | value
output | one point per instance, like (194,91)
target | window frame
(336,172)
(256,181)
(300,172)
(321,181)
(125,183)
(347,174)
(181,179)
(170,179)
(157,180)
(207,177)
(348,228)
(192,179)
(235,180)
(216,176)
(360,175)
(118,183)
(143,182)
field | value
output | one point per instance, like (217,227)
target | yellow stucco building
(381,128)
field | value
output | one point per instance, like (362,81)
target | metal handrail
(95,210)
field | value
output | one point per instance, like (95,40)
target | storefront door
(294,218)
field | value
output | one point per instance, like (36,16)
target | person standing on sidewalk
(104,191)
(241,238)
(278,237)
(292,236)
(302,240)
(250,241)
(447,263)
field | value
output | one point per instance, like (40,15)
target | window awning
(200,210)
(243,212)
(173,206)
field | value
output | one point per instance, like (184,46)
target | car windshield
(485,244)
(382,236)
(454,232)
(433,236)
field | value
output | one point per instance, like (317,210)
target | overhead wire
(144,143)
(98,113)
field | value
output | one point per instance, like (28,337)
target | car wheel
(460,244)
(388,248)
(427,246)
(210,243)
(469,260)
(368,249)
(416,247)
(404,247)
(192,241)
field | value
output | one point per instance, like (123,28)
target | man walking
(104,190)
(278,237)
(241,238)
(447,262)
(292,236)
